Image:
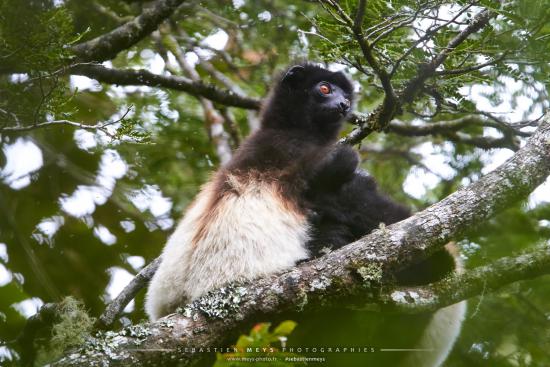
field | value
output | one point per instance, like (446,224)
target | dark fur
(348,212)
(343,202)
(345,213)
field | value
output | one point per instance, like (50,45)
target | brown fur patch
(225,184)
(214,192)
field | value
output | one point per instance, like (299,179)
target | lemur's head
(311,98)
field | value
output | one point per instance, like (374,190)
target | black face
(330,102)
(309,98)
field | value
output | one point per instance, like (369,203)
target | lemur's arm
(334,170)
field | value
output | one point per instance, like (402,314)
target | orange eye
(325,89)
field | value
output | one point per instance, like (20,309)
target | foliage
(259,347)
(35,35)
(34,38)
(72,329)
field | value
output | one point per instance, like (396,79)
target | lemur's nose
(345,105)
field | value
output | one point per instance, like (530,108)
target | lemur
(288,192)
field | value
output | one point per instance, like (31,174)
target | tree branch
(389,106)
(44,125)
(214,121)
(144,77)
(358,269)
(451,131)
(107,46)
(366,49)
(47,124)
(379,118)
(115,308)
(469,69)
(448,129)
(428,70)
(473,282)
(426,37)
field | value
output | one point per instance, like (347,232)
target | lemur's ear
(294,75)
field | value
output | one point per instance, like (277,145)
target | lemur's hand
(344,160)
(337,168)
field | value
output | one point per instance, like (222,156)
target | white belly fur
(248,236)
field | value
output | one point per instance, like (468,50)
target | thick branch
(354,270)
(144,77)
(452,290)
(107,46)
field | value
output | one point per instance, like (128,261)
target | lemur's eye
(325,89)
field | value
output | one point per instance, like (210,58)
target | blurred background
(83,208)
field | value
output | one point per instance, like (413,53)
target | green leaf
(285,328)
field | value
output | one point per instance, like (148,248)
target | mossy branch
(475,281)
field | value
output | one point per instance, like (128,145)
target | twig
(429,33)
(469,69)
(115,308)
(451,130)
(366,49)
(481,296)
(214,121)
(379,118)
(479,21)
(48,124)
